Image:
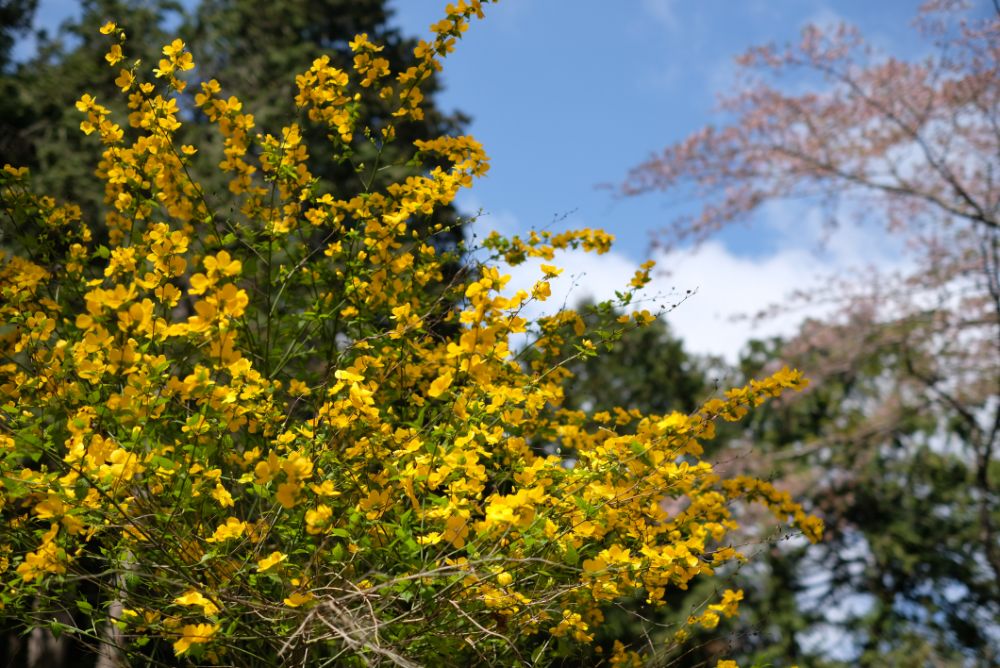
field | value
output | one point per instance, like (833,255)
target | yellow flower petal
(297,599)
(440,384)
(193,634)
(271,561)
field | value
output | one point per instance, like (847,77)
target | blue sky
(566,95)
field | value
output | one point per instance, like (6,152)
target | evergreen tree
(15,23)
(253,48)
(41,126)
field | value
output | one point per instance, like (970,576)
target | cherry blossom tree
(910,147)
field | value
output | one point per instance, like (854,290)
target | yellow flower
(45,560)
(200,283)
(232,528)
(85,103)
(361,43)
(287,491)
(326,488)
(222,264)
(195,598)
(433,538)
(297,599)
(108,28)
(298,389)
(572,624)
(643,317)
(50,507)
(271,561)
(316,520)
(125,80)
(675,422)
(344,374)
(173,49)
(440,384)
(193,634)
(114,55)
(541,291)
(222,495)
(730,603)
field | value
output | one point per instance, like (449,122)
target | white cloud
(661,11)
(484,221)
(586,276)
(724,285)
(826,18)
(728,286)
(721,75)
(850,239)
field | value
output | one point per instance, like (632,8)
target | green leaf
(536,656)
(572,556)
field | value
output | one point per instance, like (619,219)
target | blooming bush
(283,432)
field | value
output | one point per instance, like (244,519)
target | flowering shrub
(278,433)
